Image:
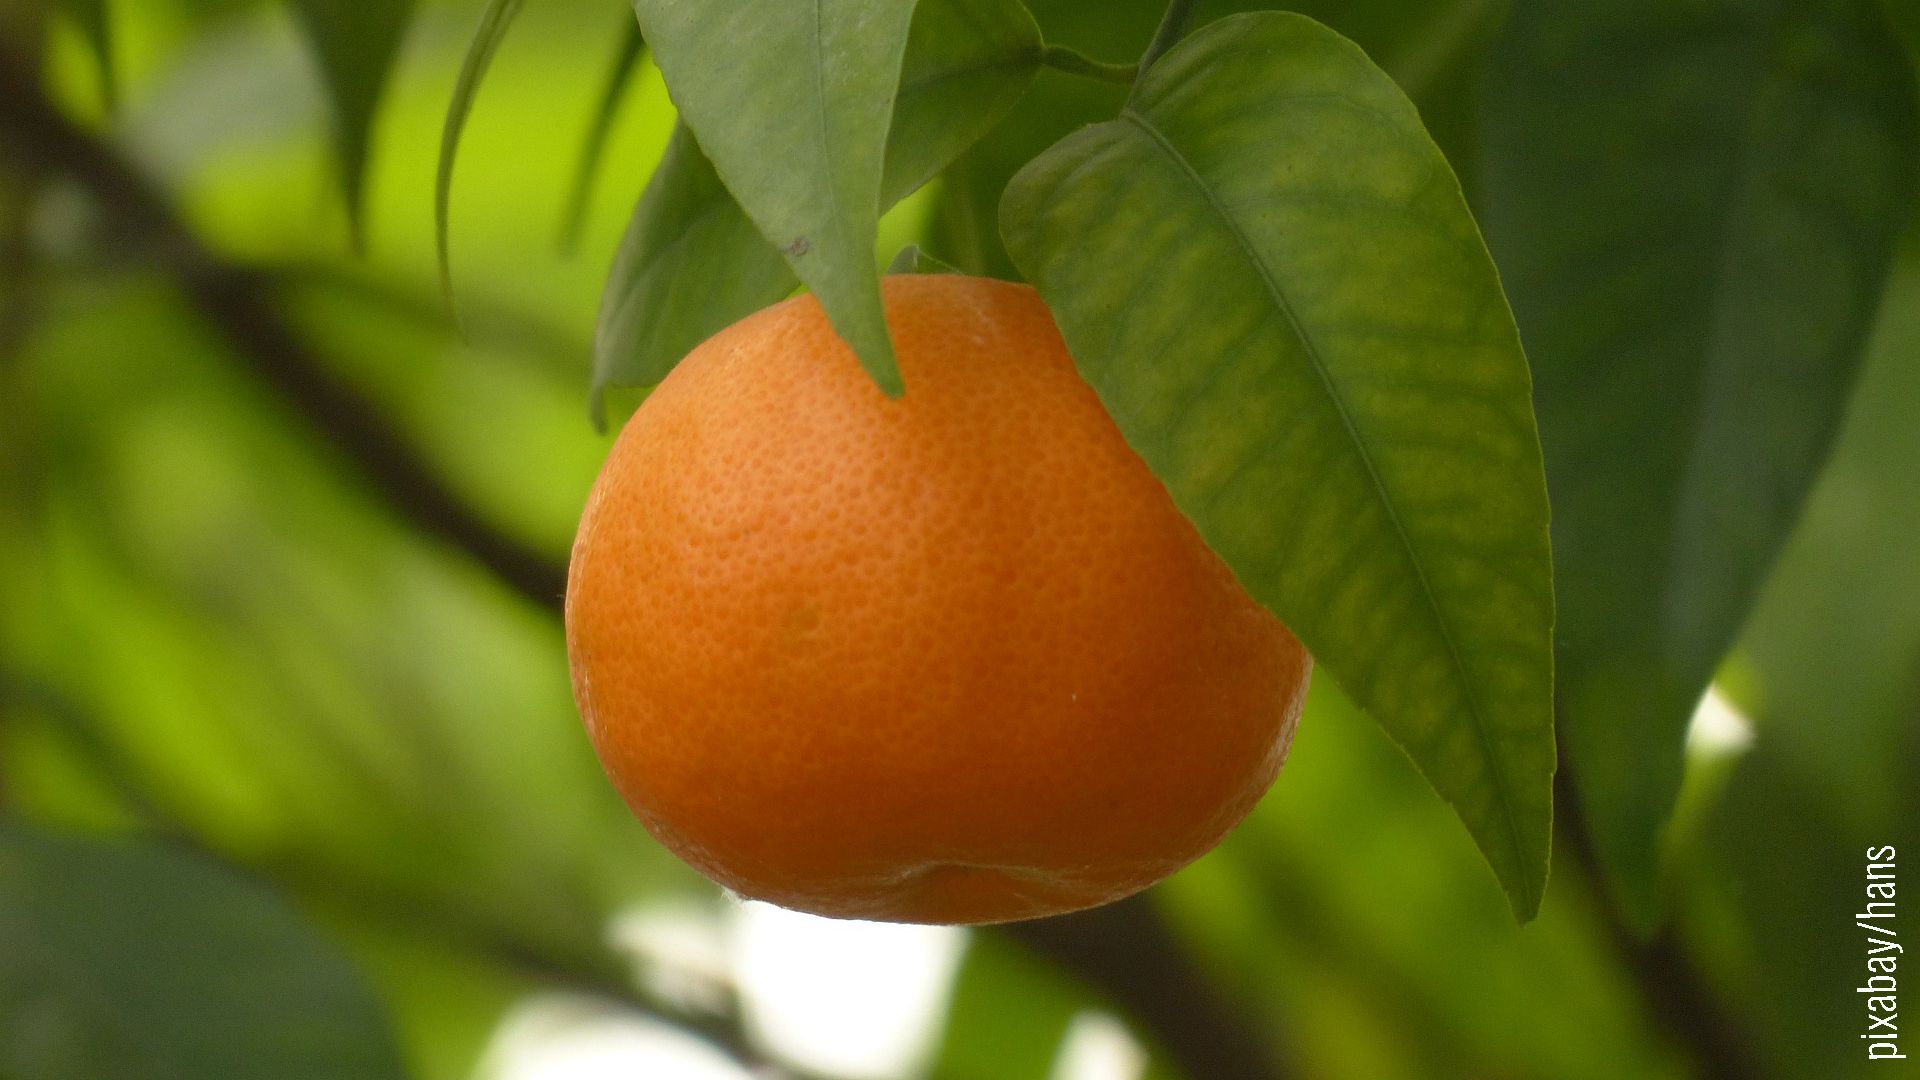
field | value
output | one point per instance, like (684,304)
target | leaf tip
(597,407)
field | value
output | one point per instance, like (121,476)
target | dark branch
(1128,951)
(598,974)
(1675,992)
(241,305)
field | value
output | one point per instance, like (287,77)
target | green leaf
(486,41)
(691,262)
(964,223)
(792,102)
(125,960)
(355,44)
(1266,269)
(1832,647)
(689,265)
(1905,17)
(1432,49)
(95,23)
(1695,206)
(967,63)
(625,62)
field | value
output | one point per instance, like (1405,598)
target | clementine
(955,657)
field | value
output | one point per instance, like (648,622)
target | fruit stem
(1061,58)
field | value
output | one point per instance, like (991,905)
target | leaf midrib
(820,115)
(1280,301)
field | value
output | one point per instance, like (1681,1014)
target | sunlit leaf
(124,960)
(625,62)
(792,102)
(691,262)
(355,44)
(486,41)
(1694,207)
(1267,270)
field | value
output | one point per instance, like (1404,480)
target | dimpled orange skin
(950,658)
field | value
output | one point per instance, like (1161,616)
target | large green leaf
(691,263)
(1694,205)
(1267,270)
(1431,48)
(1831,652)
(1827,668)
(119,960)
(793,103)
(355,44)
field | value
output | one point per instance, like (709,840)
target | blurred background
(288,756)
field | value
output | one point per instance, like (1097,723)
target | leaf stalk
(1172,25)
(1062,58)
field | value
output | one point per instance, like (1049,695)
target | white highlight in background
(562,1037)
(681,949)
(1718,729)
(854,999)
(1099,1047)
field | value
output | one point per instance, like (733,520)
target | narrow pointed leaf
(691,262)
(1695,206)
(625,62)
(473,69)
(1267,270)
(792,102)
(355,44)
(125,960)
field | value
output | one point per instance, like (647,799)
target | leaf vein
(1272,287)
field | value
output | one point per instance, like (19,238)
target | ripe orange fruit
(954,657)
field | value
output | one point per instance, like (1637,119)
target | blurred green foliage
(219,632)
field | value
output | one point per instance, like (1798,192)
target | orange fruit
(954,657)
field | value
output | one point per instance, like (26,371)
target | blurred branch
(241,304)
(22,32)
(597,973)
(1128,951)
(1125,950)
(1677,996)
(548,348)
